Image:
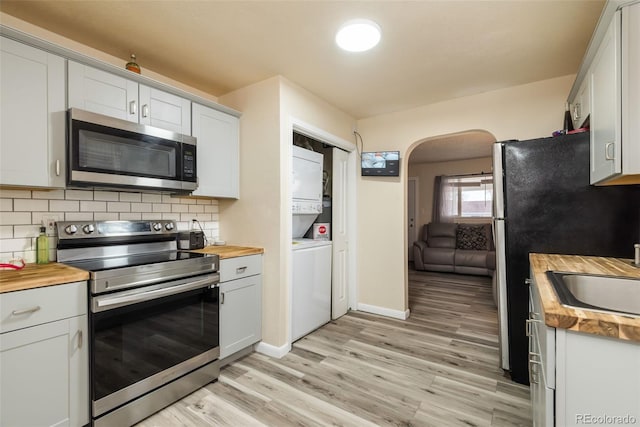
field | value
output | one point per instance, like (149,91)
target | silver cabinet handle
(576,112)
(241,270)
(25,311)
(608,156)
(145,110)
(79,338)
(533,374)
(529,322)
(221,297)
(527,281)
(133,108)
(57,167)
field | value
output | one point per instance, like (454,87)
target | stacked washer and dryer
(311,285)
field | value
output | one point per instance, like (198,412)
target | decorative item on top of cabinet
(101,92)
(218,137)
(44,351)
(132,65)
(32,104)
(240,304)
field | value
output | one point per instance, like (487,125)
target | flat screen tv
(380,163)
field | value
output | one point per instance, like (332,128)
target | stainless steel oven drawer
(239,267)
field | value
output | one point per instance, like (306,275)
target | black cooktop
(102,264)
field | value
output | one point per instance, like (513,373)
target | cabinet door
(101,92)
(631,89)
(240,314)
(218,152)
(606,105)
(32,108)
(44,375)
(164,110)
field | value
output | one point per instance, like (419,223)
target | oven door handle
(109,302)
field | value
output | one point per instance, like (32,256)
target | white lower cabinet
(44,368)
(579,378)
(240,303)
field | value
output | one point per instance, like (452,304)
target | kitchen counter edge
(39,275)
(230,251)
(558,316)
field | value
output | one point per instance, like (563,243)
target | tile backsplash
(22,213)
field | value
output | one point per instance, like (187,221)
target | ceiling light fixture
(358,35)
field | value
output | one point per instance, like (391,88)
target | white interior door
(340,274)
(412,235)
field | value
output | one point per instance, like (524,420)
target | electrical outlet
(50,225)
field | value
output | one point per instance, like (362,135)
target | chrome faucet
(636,257)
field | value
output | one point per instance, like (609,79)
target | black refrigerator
(543,203)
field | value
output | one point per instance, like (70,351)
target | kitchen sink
(611,294)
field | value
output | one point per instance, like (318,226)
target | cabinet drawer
(31,307)
(238,267)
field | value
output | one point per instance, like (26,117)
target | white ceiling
(430,50)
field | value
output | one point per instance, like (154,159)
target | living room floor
(437,368)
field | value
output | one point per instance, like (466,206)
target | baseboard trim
(382,311)
(272,350)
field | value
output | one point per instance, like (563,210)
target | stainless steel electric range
(153,315)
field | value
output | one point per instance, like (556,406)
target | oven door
(104,151)
(144,338)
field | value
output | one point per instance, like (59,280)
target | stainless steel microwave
(105,152)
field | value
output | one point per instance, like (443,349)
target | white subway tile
(6,205)
(130,197)
(107,196)
(37,218)
(127,216)
(141,207)
(203,201)
(118,207)
(172,216)
(179,208)
(15,194)
(211,225)
(6,231)
(185,201)
(50,195)
(90,206)
(211,209)
(6,256)
(28,256)
(152,215)
(78,216)
(64,205)
(12,218)
(196,209)
(202,217)
(151,198)
(184,225)
(15,245)
(187,217)
(26,231)
(29,205)
(105,216)
(167,198)
(78,195)
(161,207)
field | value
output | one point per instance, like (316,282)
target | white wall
(522,112)
(426,173)
(262,215)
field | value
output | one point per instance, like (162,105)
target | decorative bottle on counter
(133,65)
(42,247)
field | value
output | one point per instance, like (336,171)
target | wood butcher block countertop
(225,252)
(584,320)
(39,275)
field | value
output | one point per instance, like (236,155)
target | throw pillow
(471,237)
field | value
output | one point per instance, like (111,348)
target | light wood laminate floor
(437,368)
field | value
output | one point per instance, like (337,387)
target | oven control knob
(169,226)
(88,229)
(157,226)
(71,229)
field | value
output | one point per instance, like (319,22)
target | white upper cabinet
(101,92)
(218,144)
(615,101)
(32,106)
(604,76)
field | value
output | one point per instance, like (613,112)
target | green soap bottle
(42,247)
